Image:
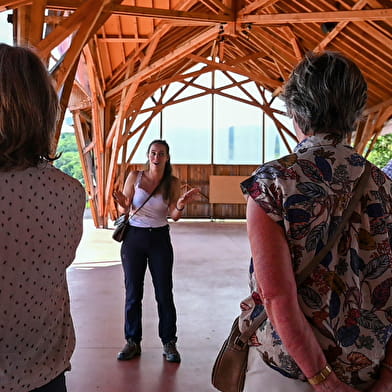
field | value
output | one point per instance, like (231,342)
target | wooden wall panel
(198,176)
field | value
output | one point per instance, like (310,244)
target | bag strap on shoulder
(148,198)
(358,192)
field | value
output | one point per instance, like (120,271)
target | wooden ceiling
(126,50)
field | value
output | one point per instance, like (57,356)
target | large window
(227,127)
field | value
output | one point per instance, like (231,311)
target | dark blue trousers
(152,247)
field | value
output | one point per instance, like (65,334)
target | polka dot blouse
(41,212)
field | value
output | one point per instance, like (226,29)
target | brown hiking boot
(170,352)
(130,350)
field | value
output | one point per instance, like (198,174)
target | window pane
(274,145)
(187,129)
(6,28)
(237,135)
(151,134)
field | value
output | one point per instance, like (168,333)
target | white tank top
(153,213)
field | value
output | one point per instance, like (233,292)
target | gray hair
(325,93)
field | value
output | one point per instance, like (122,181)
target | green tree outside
(381,153)
(69,161)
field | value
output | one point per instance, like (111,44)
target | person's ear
(298,131)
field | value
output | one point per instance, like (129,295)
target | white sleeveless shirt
(153,213)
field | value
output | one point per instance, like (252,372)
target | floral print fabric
(347,298)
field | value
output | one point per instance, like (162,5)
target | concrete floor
(210,279)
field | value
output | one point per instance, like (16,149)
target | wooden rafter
(258,4)
(318,17)
(182,51)
(79,40)
(225,67)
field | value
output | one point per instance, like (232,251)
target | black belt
(150,229)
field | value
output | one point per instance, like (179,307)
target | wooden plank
(318,17)
(226,189)
(65,28)
(79,40)
(37,16)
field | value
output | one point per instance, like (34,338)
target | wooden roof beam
(318,17)
(226,67)
(185,49)
(338,28)
(68,26)
(255,5)
(161,29)
(378,107)
(30,20)
(216,6)
(37,16)
(150,12)
(63,67)
(121,40)
(298,51)
(9,5)
(23,25)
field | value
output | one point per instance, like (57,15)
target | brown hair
(28,109)
(165,186)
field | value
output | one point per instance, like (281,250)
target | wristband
(179,209)
(320,376)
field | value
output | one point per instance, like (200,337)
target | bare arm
(177,202)
(124,198)
(275,277)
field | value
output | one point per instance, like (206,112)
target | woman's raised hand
(122,200)
(187,196)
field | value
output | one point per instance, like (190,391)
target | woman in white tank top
(147,243)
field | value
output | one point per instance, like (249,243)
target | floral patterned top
(347,298)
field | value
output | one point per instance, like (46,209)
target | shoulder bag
(122,222)
(228,372)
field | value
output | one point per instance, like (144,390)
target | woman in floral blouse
(333,333)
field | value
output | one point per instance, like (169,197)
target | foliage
(69,162)
(381,153)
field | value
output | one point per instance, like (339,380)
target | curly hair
(325,93)
(28,109)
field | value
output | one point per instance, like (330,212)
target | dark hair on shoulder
(28,109)
(165,187)
(326,93)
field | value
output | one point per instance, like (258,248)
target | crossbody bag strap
(148,198)
(358,192)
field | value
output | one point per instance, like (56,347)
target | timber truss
(108,57)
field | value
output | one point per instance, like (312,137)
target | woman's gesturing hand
(122,200)
(186,197)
